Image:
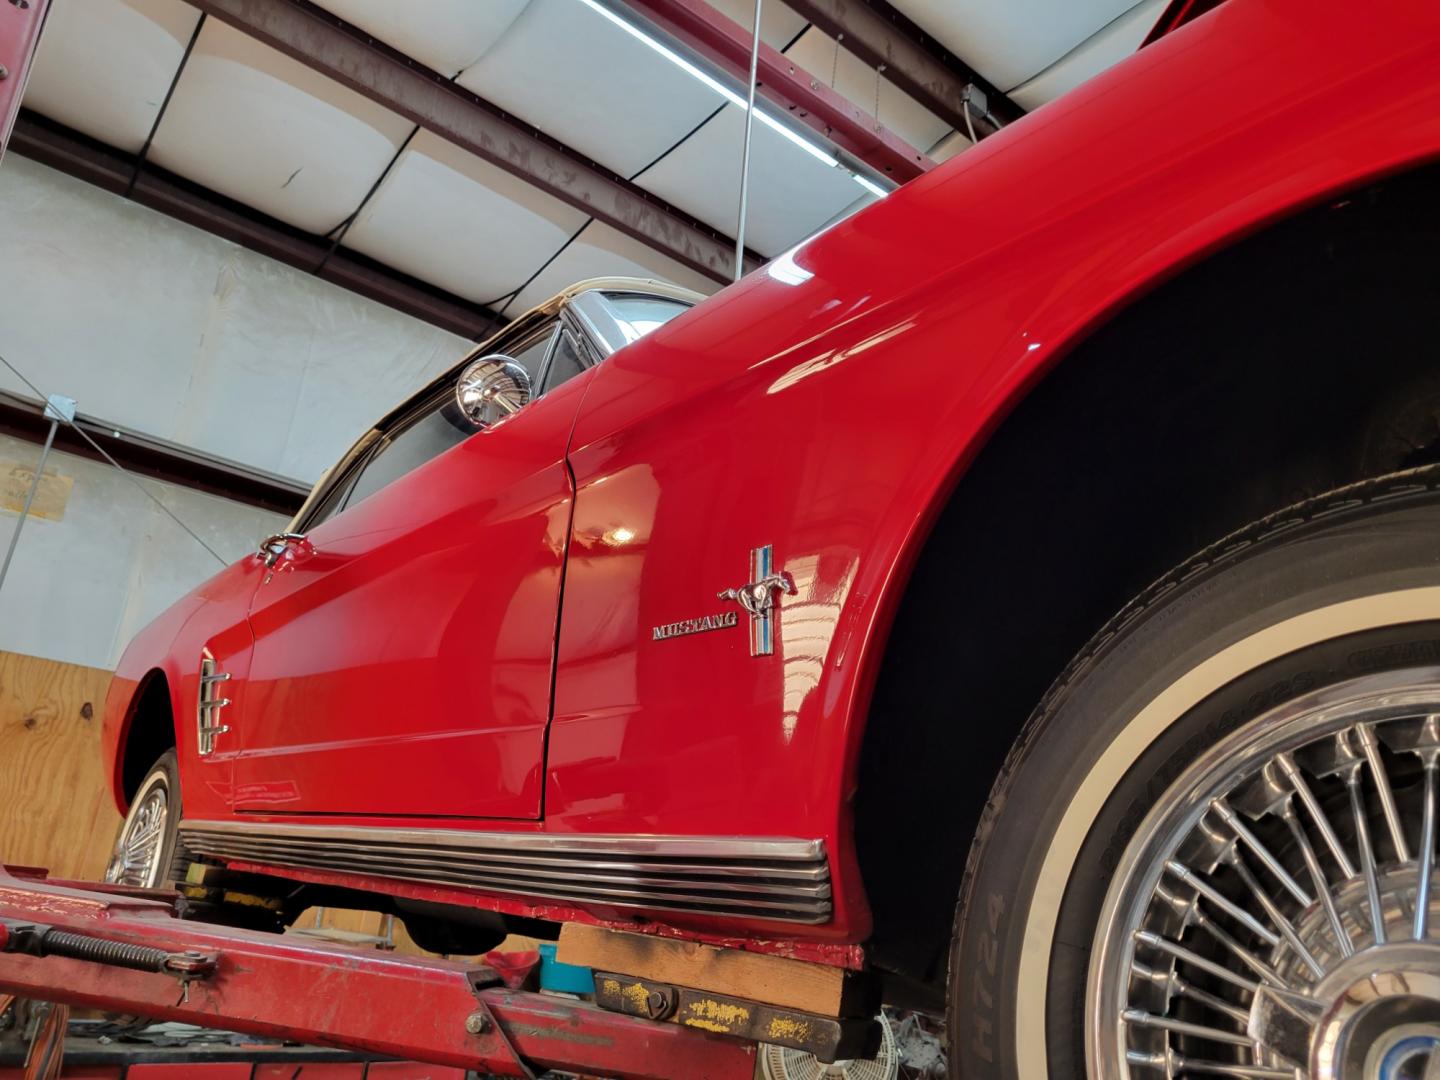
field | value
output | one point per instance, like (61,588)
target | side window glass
(565,364)
(429,434)
(532,356)
(434,432)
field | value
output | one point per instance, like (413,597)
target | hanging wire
(144,153)
(878,71)
(123,472)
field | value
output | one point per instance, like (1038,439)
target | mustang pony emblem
(758,598)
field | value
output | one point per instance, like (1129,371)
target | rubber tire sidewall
(1366,541)
(168,766)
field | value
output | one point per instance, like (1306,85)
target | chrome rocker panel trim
(761,878)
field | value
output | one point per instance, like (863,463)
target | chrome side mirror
(492,388)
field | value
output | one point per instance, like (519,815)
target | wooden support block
(775,980)
(56,797)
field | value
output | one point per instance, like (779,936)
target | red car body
(825,405)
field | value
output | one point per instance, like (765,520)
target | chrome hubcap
(1274,914)
(138,851)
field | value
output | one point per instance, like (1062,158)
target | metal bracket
(827,1037)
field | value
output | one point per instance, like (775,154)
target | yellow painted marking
(707,1025)
(720,1012)
(638,997)
(786,1027)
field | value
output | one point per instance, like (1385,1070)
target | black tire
(163,778)
(1297,570)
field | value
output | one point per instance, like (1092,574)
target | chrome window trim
(745,877)
(543,371)
(601,322)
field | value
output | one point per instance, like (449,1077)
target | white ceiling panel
(1011,42)
(791,193)
(444,35)
(103,66)
(602,251)
(449,218)
(264,129)
(1111,45)
(778,24)
(583,80)
(857,81)
(950,145)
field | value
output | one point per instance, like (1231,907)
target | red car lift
(123,950)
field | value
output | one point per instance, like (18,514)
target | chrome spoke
(1244,955)
(1427,854)
(1179,952)
(1263,899)
(1260,851)
(1210,1001)
(1183,1027)
(1172,1064)
(1367,859)
(1317,813)
(1317,878)
(1216,897)
(1365,735)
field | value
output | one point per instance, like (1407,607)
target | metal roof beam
(148,456)
(343,53)
(877,34)
(70,152)
(795,94)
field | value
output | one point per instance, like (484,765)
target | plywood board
(50,497)
(55,806)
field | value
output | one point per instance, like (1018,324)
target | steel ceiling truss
(441,106)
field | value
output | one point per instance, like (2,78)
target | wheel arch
(1190,412)
(148,730)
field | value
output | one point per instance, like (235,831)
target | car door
(403,648)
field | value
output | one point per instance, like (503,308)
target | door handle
(274,545)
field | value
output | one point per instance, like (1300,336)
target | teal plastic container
(566,978)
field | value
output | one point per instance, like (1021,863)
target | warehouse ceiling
(242,119)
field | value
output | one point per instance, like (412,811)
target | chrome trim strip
(714,847)
(803,874)
(208,705)
(780,879)
(654,876)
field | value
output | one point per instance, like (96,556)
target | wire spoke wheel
(1274,915)
(140,848)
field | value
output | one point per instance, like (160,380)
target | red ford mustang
(856,613)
